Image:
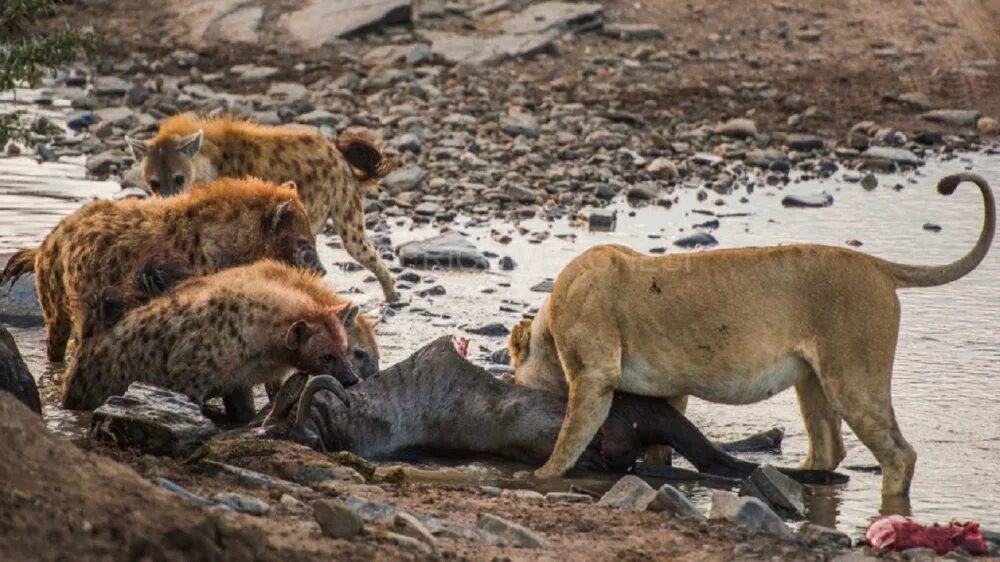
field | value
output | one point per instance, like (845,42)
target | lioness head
(534,356)
(519,343)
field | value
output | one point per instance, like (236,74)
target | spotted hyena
(220,224)
(331,176)
(214,335)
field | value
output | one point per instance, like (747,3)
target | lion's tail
(930,276)
(21,263)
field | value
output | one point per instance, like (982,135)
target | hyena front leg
(349,220)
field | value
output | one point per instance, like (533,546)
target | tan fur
(331,177)
(214,335)
(225,223)
(735,326)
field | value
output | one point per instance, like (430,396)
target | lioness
(735,326)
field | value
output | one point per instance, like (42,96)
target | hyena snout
(307,257)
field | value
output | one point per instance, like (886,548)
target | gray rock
(411,53)
(804,143)
(931,227)
(79,120)
(915,100)
(662,167)
(449,250)
(507,263)
(372,511)
(288,91)
(568,497)
(954,117)
(477,51)
(697,240)
(784,495)
(601,220)
(15,377)
(706,159)
(764,158)
(739,128)
(856,557)
(555,16)
(919,554)
(748,512)
(253,72)
(320,21)
(407,142)
(427,209)
(320,117)
(820,535)
(19,305)
(336,520)
(630,493)
(813,200)
(510,531)
(242,504)
(672,500)
(182,492)
(869,182)
(153,420)
(117,116)
(642,192)
(406,178)
(529,496)
(544,286)
(891,154)
(493,329)
(251,478)
(111,86)
(106,162)
(633,31)
(211,21)
(520,124)
(407,543)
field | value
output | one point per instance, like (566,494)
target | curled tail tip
(365,155)
(948,184)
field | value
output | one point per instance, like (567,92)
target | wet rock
(520,124)
(320,21)
(153,420)
(784,495)
(544,286)
(79,120)
(472,50)
(500,356)
(117,116)
(931,227)
(107,162)
(407,142)
(642,192)
(510,531)
(435,291)
(697,240)
(449,250)
(181,491)
(111,86)
(601,220)
(494,329)
(988,126)
(242,504)
(633,31)
(14,375)
(869,182)
(804,143)
(253,72)
(630,493)
(891,154)
(814,200)
(748,512)
(407,178)
(819,535)
(507,263)
(336,520)
(739,128)
(19,305)
(568,497)
(671,500)
(953,117)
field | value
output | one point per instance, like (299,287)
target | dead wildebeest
(438,402)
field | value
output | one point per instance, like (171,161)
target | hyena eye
(328,358)
(179,180)
(360,354)
(155,184)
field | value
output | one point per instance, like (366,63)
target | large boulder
(153,420)
(14,375)
(320,21)
(449,250)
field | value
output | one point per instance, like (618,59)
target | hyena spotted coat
(331,177)
(213,336)
(220,224)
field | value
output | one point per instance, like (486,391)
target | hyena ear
(298,335)
(290,185)
(138,148)
(348,314)
(520,338)
(190,145)
(280,213)
(111,309)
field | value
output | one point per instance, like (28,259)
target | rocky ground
(497,110)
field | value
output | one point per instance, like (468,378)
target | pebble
(869,182)
(748,512)
(953,117)
(988,126)
(242,504)
(528,496)
(336,520)
(510,531)
(671,500)
(494,329)
(407,178)
(697,240)
(568,497)
(601,220)
(630,493)
(931,227)
(804,143)
(739,128)
(815,200)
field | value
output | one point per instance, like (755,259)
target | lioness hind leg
(662,455)
(826,445)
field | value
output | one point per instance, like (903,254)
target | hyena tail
(365,156)
(21,263)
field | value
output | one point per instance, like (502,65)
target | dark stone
(698,239)
(153,420)
(14,375)
(817,200)
(500,356)
(928,137)
(451,250)
(931,227)
(602,220)
(804,143)
(783,494)
(79,120)
(748,512)
(671,500)
(494,329)
(507,263)
(544,286)
(435,291)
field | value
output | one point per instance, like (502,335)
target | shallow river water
(946,383)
